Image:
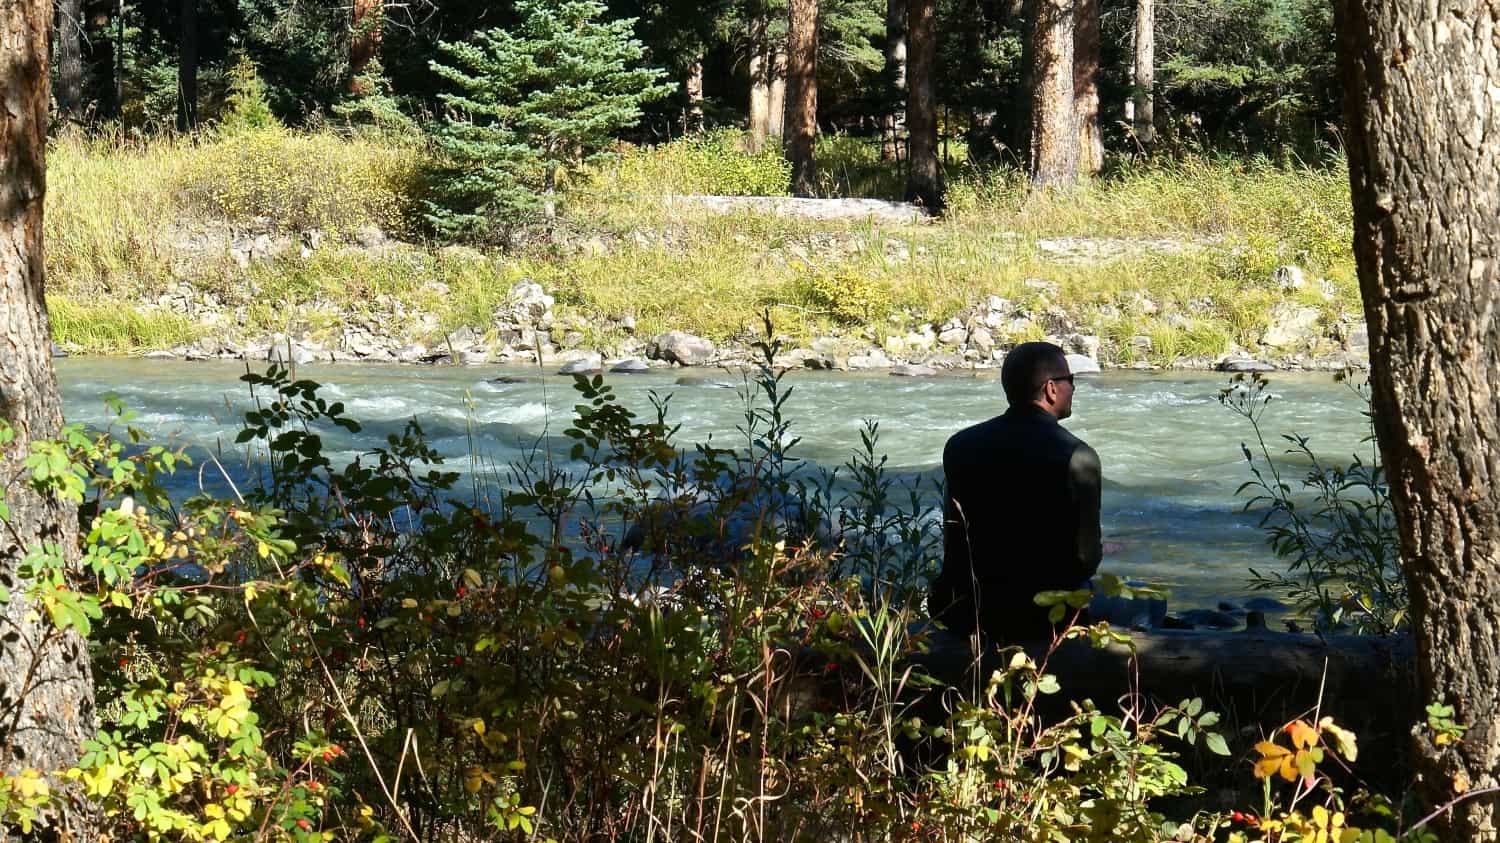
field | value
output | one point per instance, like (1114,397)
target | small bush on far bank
(297,182)
(714,163)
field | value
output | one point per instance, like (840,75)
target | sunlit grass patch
(109,328)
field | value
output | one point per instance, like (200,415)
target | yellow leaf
(1303,734)
(1273,759)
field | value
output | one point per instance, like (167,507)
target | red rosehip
(461,592)
(458,661)
(304,825)
(232,789)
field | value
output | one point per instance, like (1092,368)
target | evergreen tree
(532,104)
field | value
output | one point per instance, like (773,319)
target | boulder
(413,353)
(1243,364)
(589,364)
(526,304)
(473,357)
(160,354)
(912,370)
(1084,344)
(872,359)
(1078,364)
(297,355)
(369,236)
(630,366)
(981,338)
(952,336)
(1357,338)
(464,338)
(1289,278)
(58,351)
(681,348)
(1291,325)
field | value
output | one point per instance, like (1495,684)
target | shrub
(296,182)
(713,163)
(851,297)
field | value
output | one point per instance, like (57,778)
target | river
(1171,452)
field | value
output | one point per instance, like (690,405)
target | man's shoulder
(973,433)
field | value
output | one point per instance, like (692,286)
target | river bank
(309,248)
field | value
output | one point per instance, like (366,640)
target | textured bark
(1053,147)
(802,95)
(895,71)
(1086,86)
(760,85)
(1422,83)
(99,56)
(364,42)
(924,180)
(776,107)
(1144,71)
(187,67)
(46,689)
(69,60)
(693,85)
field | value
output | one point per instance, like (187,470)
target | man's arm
(1084,479)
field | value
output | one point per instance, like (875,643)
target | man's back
(1021,516)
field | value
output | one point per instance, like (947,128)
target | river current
(1171,452)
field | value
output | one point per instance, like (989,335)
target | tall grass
(1181,252)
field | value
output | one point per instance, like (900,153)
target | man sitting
(1021,514)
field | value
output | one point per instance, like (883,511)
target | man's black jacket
(1021,516)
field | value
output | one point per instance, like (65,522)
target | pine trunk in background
(99,56)
(895,71)
(1422,107)
(1053,147)
(1086,86)
(760,85)
(69,60)
(802,95)
(46,688)
(364,42)
(776,119)
(1144,72)
(187,67)
(924,181)
(693,85)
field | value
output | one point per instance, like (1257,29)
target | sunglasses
(1068,378)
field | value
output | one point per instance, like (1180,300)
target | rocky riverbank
(528,329)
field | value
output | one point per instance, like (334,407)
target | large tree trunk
(364,42)
(777,107)
(1053,158)
(924,180)
(46,688)
(187,67)
(693,85)
(895,71)
(802,95)
(760,84)
(1144,72)
(69,59)
(1423,117)
(99,56)
(1086,86)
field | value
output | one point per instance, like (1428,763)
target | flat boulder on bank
(1080,364)
(913,370)
(682,348)
(588,364)
(630,366)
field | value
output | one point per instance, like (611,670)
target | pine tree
(531,105)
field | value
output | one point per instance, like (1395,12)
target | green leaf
(1215,743)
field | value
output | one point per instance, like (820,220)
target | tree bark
(99,57)
(760,85)
(693,85)
(895,71)
(1144,72)
(924,182)
(364,42)
(777,108)
(187,67)
(69,59)
(1053,158)
(1086,87)
(802,95)
(1422,106)
(46,688)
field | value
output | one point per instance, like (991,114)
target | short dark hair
(1027,368)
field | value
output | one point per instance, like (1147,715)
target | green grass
(114,215)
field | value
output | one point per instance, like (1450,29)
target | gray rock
(1243,364)
(160,354)
(626,323)
(1085,344)
(872,359)
(1289,278)
(463,339)
(953,336)
(630,366)
(1140,345)
(1209,619)
(820,361)
(58,351)
(1081,365)
(511,379)
(298,354)
(910,370)
(466,254)
(359,342)
(981,338)
(473,357)
(369,236)
(587,365)
(681,348)
(411,353)
(526,304)
(1357,338)
(1291,325)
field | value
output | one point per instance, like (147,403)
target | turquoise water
(1171,452)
